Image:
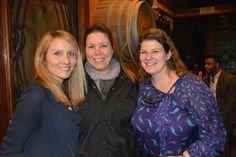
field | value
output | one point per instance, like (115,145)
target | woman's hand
(185,154)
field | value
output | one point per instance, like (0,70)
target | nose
(97,49)
(65,59)
(148,55)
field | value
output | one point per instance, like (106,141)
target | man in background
(223,86)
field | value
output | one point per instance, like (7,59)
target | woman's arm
(27,114)
(204,111)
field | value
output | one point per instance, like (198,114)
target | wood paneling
(188,8)
(92,7)
(83,19)
(204,11)
(6,66)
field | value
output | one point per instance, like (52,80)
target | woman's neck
(165,81)
(102,72)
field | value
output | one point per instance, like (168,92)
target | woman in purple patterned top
(176,114)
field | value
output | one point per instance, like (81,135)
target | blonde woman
(45,122)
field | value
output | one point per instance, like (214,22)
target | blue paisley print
(187,118)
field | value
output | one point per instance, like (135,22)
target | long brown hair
(174,63)
(72,92)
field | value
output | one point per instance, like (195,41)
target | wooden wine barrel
(127,19)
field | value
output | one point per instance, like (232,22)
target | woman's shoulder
(193,83)
(191,79)
(146,86)
(35,91)
(36,87)
(125,78)
(32,98)
(190,82)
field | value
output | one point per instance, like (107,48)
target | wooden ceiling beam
(172,10)
(167,4)
(164,7)
(205,11)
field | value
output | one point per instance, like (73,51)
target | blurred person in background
(223,86)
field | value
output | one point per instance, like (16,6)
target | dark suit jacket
(41,127)
(226,95)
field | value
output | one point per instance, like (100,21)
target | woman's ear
(113,52)
(169,54)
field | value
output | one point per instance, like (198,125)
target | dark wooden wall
(6,66)
(83,19)
(196,36)
(189,40)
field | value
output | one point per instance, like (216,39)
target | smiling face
(153,57)
(60,59)
(98,51)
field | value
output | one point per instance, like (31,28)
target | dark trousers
(229,139)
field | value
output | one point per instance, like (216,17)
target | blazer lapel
(220,83)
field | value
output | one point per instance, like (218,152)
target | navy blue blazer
(41,127)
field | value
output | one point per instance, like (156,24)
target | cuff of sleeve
(200,149)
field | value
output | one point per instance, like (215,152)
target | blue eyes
(57,53)
(69,53)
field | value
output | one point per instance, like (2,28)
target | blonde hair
(174,63)
(73,89)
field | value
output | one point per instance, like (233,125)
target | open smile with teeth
(98,59)
(65,68)
(151,63)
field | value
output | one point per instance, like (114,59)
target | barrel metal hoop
(109,13)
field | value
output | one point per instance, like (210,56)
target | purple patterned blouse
(185,118)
